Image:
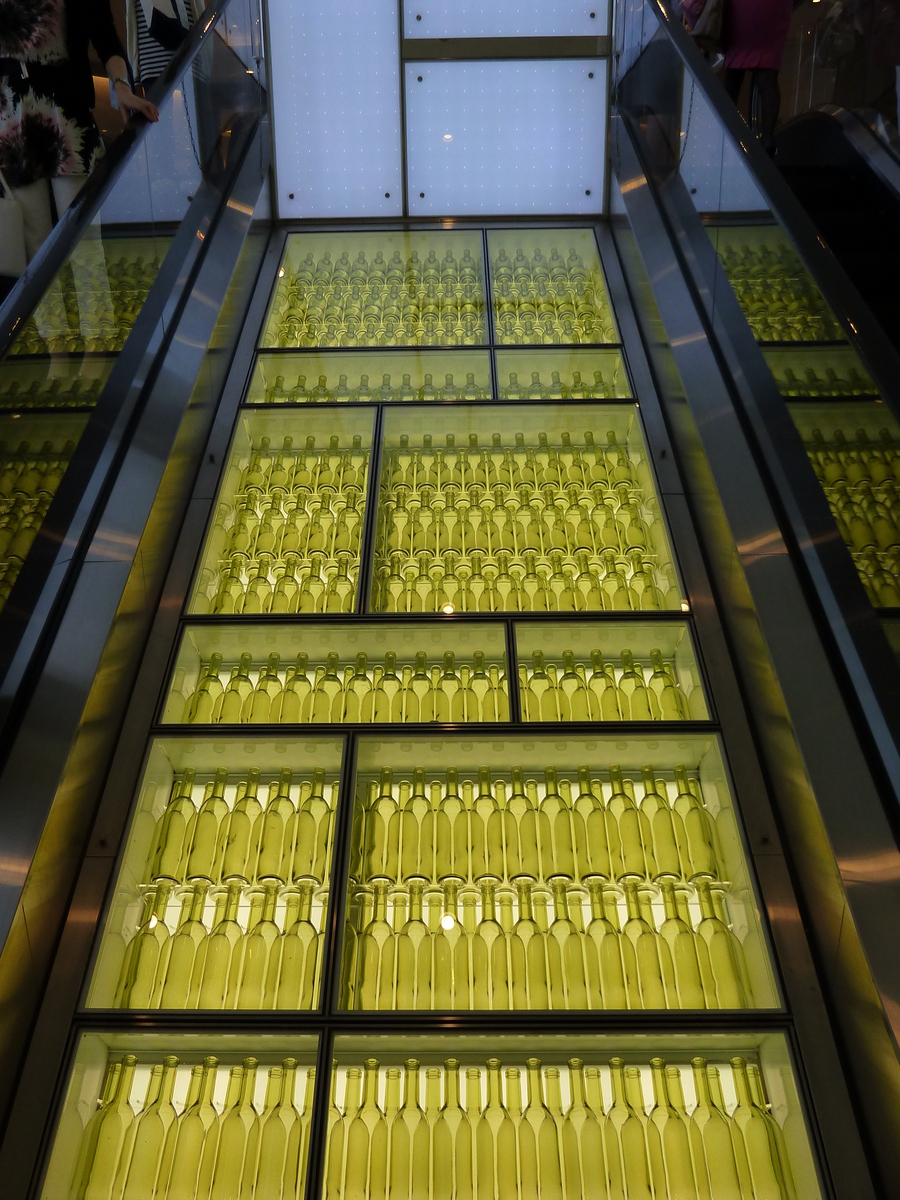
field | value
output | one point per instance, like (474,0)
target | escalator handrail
(862,329)
(31,286)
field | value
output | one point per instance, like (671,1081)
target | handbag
(707,28)
(13,257)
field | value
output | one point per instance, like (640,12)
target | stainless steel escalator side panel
(845,856)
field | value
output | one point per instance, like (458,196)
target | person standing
(49,141)
(754,35)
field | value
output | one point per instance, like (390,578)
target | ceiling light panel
(334,68)
(504,18)
(505,137)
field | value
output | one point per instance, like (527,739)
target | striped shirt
(152,57)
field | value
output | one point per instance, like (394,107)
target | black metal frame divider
(802,1020)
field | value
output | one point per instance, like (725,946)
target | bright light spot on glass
(281,272)
(448,608)
(685,607)
(448,137)
(154,921)
(447,921)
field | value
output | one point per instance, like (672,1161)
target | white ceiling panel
(334,69)
(505,137)
(504,18)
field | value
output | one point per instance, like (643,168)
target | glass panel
(555,296)
(223,886)
(379,289)
(53,382)
(506,136)
(510,18)
(561,375)
(620,1115)
(819,371)
(891,628)
(339,673)
(94,300)
(148,1114)
(653,675)
(779,298)
(855,452)
(34,455)
(384,377)
(550,874)
(286,533)
(534,518)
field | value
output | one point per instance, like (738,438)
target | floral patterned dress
(45,128)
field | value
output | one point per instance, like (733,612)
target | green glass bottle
(238,693)
(366,1156)
(450,970)
(495,1144)
(278,828)
(571,989)
(701,846)
(314,830)
(296,697)
(181,986)
(665,826)
(724,950)
(239,833)
(143,983)
(451,856)
(685,950)
(204,859)
(759,1098)
(529,986)
(409,1165)
(298,960)
(667,1134)
(612,985)
(257,981)
(539,1139)
(485,831)
(196,1141)
(520,821)
(151,1135)
(715,1167)
(583,1157)
(238,1143)
(414,955)
(417,833)
(109,1138)
(279,1142)
(655,978)
(220,964)
(203,706)
(592,842)
(627,841)
(452,1151)
(334,1143)
(626,1147)
(382,832)
(167,859)
(376,955)
(265,701)
(490,955)
(752,1133)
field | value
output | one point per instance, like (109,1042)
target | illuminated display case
(819,371)
(289,515)
(221,893)
(608,671)
(555,511)
(55,382)
(337,673)
(561,375)
(548,288)
(379,289)
(174,1114)
(549,873)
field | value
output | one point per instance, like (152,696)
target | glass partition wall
(515,810)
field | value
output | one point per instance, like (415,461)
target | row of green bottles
(382,393)
(854,383)
(868,517)
(27,473)
(211,1150)
(229,833)
(271,476)
(525,275)
(460,1145)
(55,392)
(414,274)
(19,526)
(880,576)
(435,826)
(565,692)
(547,318)
(595,468)
(484,583)
(860,459)
(94,316)
(415,692)
(499,948)
(601,387)
(258,948)
(779,298)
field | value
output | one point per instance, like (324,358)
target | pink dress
(755,33)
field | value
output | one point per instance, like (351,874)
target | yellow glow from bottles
(447,921)
(448,609)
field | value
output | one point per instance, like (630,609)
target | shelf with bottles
(94,299)
(582,1118)
(53,382)
(548,288)
(556,513)
(221,893)
(383,377)
(180,1114)
(588,873)
(288,521)
(777,294)
(820,372)
(379,289)
(339,673)
(854,448)
(609,671)
(34,454)
(562,375)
